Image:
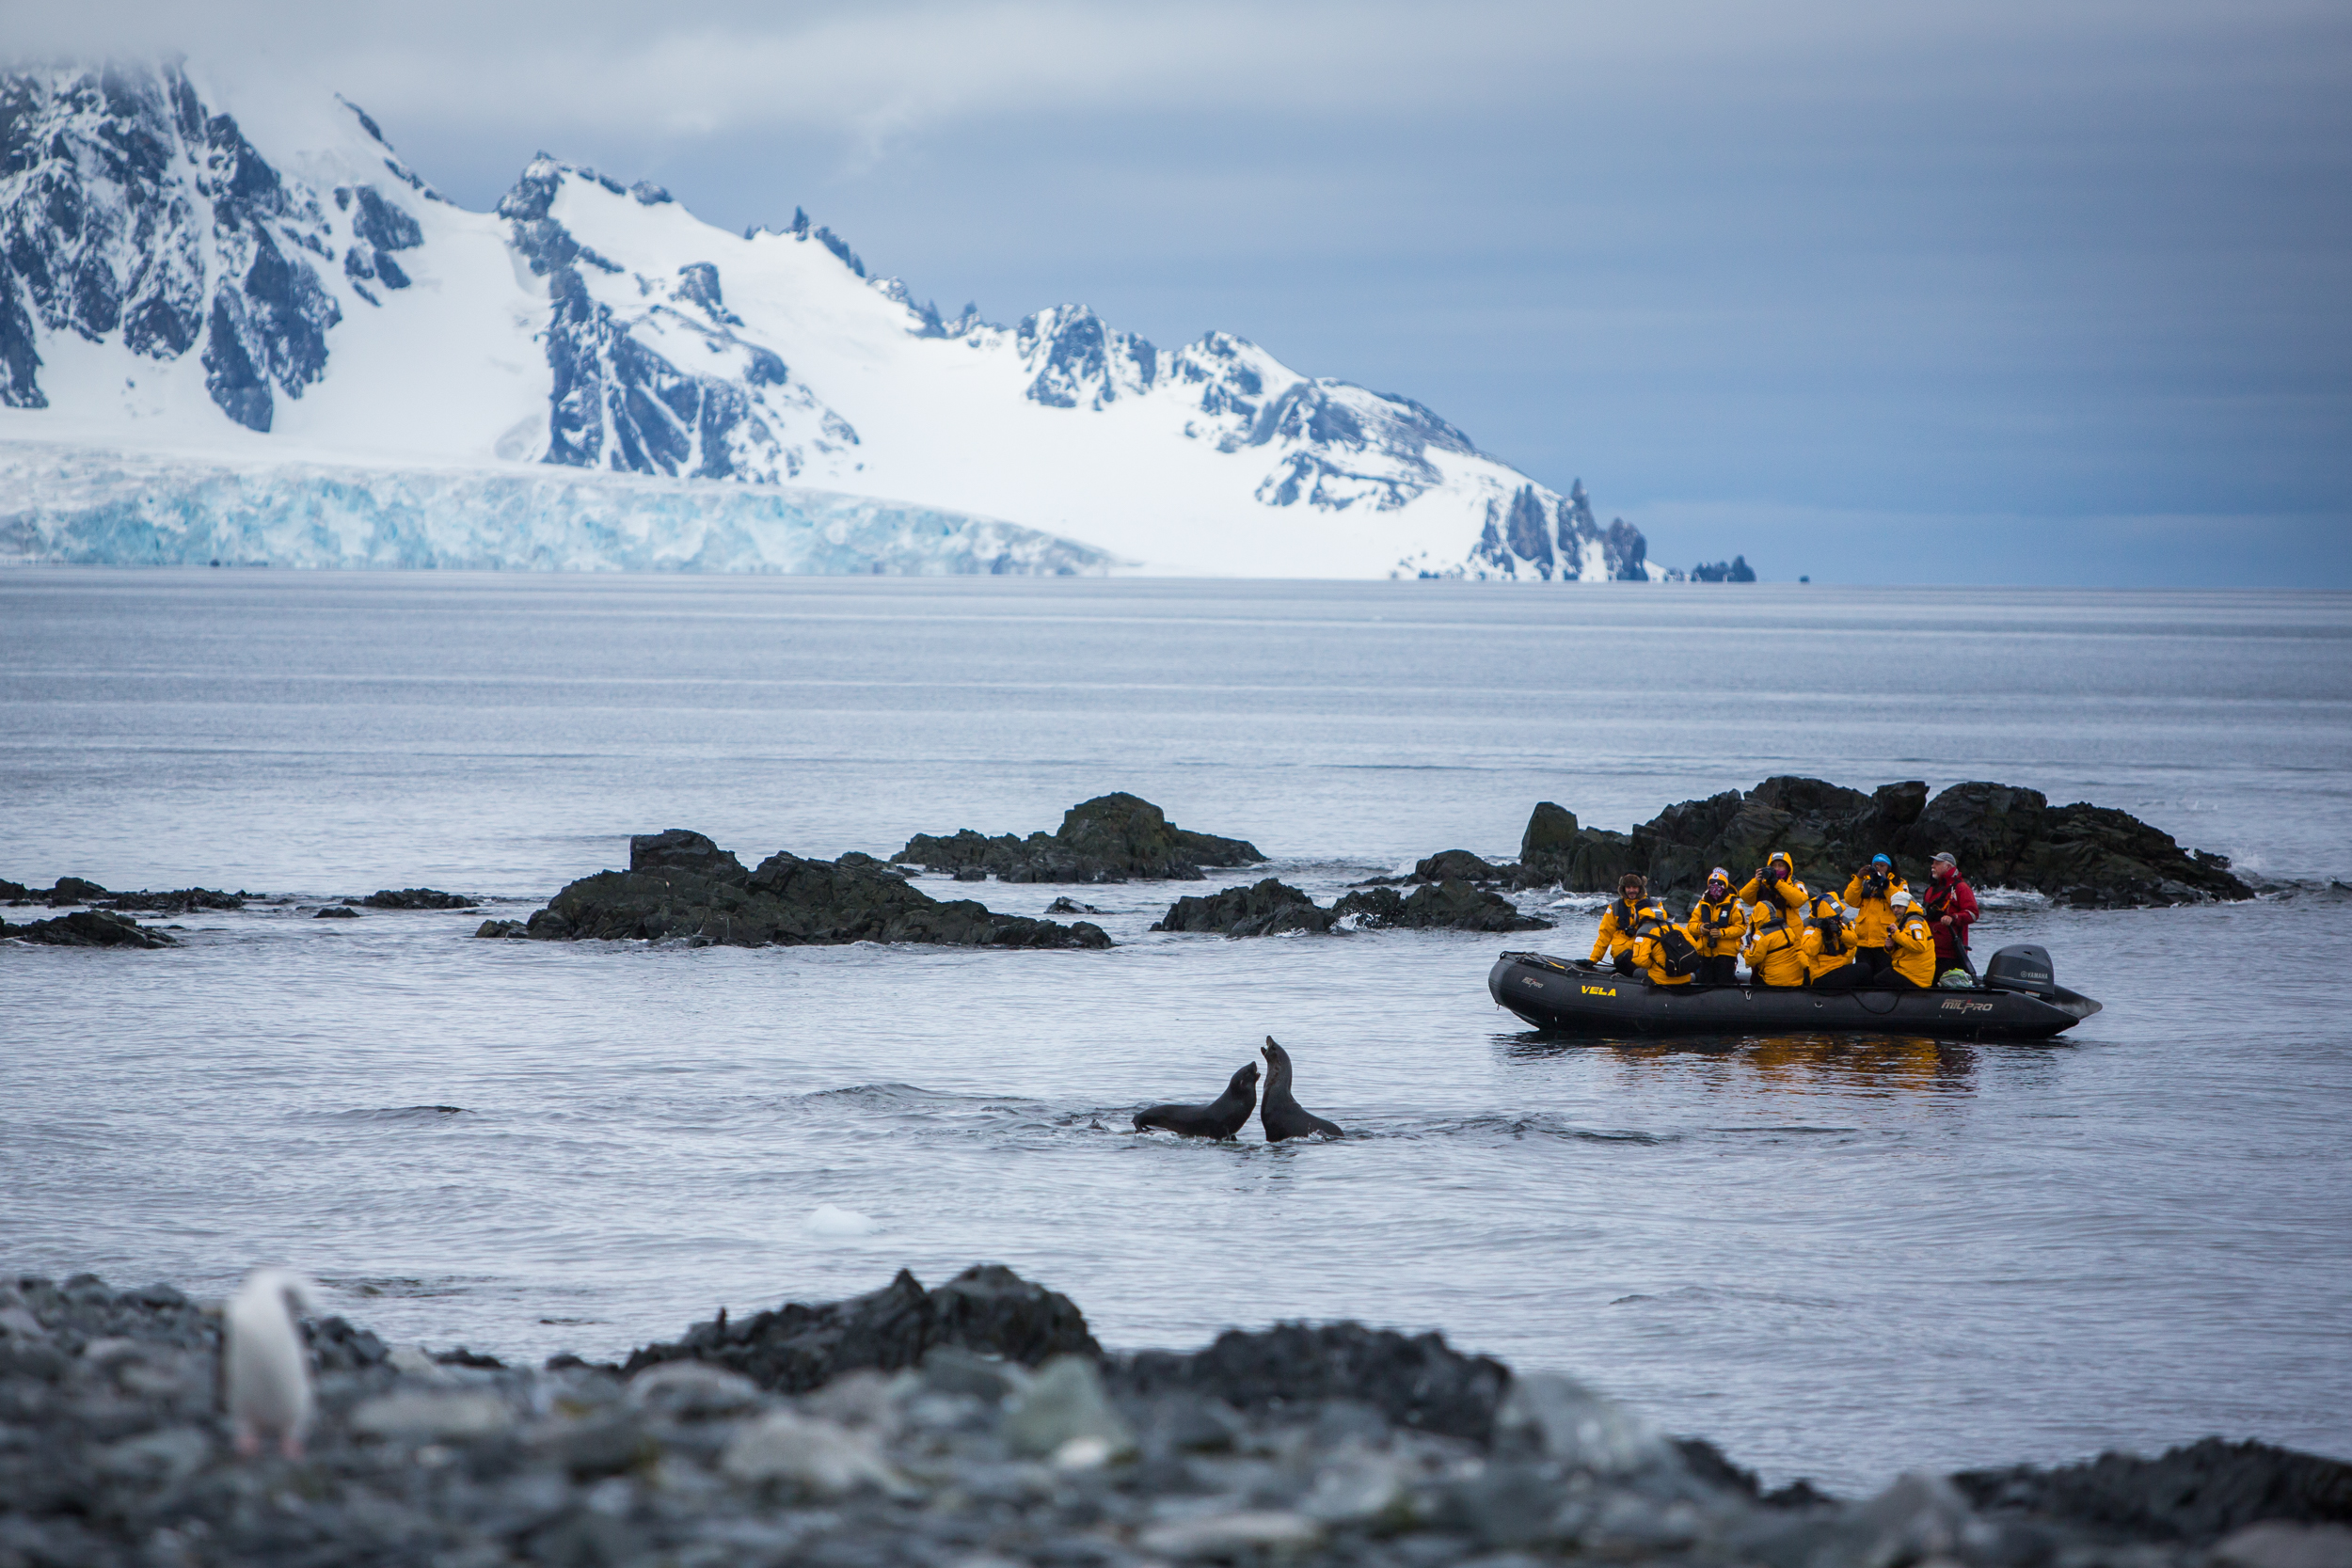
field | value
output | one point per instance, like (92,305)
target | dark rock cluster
(86,928)
(1266,909)
(1273,908)
(978,1422)
(987,1309)
(619,403)
(1111,838)
(2092,857)
(417,898)
(680,885)
(105,922)
(75,889)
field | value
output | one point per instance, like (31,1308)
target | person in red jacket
(1951,906)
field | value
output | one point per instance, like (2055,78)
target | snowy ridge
(166,287)
(74,506)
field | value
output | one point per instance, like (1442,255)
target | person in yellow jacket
(1649,951)
(1617,920)
(1912,940)
(1776,949)
(1829,947)
(1871,895)
(1779,880)
(1716,928)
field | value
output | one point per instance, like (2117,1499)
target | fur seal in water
(1280,1114)
(1220,1118)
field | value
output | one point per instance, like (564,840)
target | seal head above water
(1220,1118)
(1282,1115)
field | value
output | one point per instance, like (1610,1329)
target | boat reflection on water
(1799,1063)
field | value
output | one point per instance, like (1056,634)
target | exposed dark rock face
(1545,536)
(1266,909)
(126,204)
(680,884)
(417,898)
(617,403)
(2093,856)
(1554,848)
(378,228)
(680,850)
(1456,865)
(2090,856)
(86,928)
(1450,905)
(176,901)
(986,1308)
(2196,1494)
(1416,1382)
(1273,908)
(1111,838)
(76,889)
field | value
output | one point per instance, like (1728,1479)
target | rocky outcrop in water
(417,898)
(679,885)
(981,1420)
(1266,909)
(76,889)
(1450,905)
(1111,838)
(86,928)
(1273,908)
(2092,857)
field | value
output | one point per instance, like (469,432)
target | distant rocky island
(980,1421)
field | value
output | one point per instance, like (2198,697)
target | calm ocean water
(1838,1258)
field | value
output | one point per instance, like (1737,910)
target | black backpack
(1682,958)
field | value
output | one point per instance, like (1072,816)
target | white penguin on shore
(268,1377)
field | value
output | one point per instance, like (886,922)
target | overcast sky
(1878,291)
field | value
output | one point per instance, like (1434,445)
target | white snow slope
(274,341)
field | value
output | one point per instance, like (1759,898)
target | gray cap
(1945,855)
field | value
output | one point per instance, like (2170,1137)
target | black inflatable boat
(2020,1000)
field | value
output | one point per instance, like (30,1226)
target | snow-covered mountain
(263,320)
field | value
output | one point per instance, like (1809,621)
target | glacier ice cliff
(75,506)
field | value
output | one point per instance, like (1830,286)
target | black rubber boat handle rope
(1862,1001)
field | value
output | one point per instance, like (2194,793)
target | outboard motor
(2025,968)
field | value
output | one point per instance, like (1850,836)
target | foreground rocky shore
(978,1424)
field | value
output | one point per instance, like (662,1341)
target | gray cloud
(1806,264)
